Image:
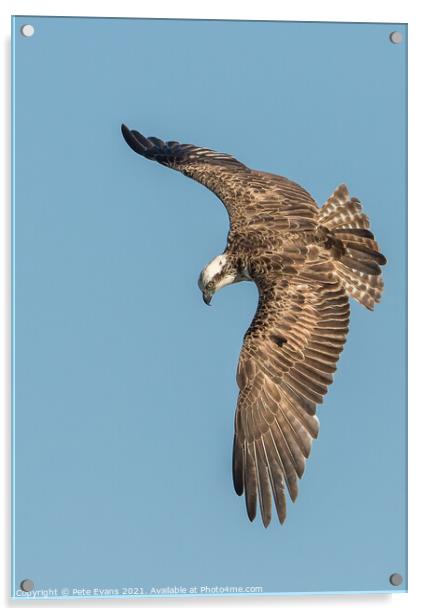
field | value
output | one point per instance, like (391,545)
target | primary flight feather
(306,262)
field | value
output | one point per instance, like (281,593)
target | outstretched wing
(289,354)
(250,196)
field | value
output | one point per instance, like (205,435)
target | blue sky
(124,380)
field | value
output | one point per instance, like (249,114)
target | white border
(409,11)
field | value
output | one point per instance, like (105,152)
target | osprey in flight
(306,262)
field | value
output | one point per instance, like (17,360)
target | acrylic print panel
(124,380)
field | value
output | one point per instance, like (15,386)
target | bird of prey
(306,261)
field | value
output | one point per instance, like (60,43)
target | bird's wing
(250,196)
(286,364)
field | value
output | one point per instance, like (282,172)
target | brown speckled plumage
(306,262)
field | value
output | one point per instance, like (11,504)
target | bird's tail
(356,253)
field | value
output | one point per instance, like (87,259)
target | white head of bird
(217,274)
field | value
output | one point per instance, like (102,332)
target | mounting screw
(27,585)
(396,38)
(27,30)
(396,579)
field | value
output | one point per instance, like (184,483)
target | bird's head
(217,274)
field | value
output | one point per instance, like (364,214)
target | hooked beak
(207,297)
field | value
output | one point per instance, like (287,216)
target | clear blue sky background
(124,380)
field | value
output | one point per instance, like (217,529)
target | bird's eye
(209,285)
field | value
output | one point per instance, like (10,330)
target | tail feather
(340,211)
(365,288)
(358,259)
(367,267)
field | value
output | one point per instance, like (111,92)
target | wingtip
(134,140)
(125,131)
(251,515)
(293,493)
(238,487)
(282,518)
(128,137)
